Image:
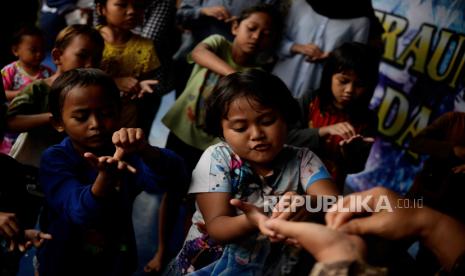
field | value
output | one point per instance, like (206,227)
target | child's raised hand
(128,140)
(253,214)
(108,163)
(355,144)
(344,129)
(145,88)
(128,85)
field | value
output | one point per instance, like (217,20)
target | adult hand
(325,244)
(393,224)
(218,12)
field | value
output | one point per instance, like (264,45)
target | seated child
(251,112)
(338,124)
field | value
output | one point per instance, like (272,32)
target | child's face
(81,52)
(253,34)
(30,51)
(124,14)
(346,88)
(89,118)
(254,132)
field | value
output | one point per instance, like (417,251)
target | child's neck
(262,170)
(30,70)
(241,58)
(115,35)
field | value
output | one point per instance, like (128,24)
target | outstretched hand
(254,215)
(392,224)
(325,244)
(108,163)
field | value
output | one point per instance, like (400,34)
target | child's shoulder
(10,68)
(216,39)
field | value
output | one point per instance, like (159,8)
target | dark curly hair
(254,84)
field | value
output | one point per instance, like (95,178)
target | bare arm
(22,123)
(11,94)
(203,56)
(435,226)
(221,221)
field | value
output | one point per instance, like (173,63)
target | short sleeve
(8,73)
(216,43)
(311,169)
(212,173)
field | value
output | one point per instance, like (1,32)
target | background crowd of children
(272,99)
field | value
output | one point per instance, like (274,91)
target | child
(340,123)
(130,59)
(251,111)
(91,178)
(28,47)
(255,31)
(75,46)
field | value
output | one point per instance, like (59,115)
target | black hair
(254,84)
(27,30)
(100,4)
(274,13)
(360,58)
(80,77)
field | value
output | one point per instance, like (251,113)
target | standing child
(91,178)
(75,46)
(130,59)
(251,111)
(255,31)
(340,124)
(28,46)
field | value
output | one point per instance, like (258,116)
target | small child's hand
(128,85)
(459,169)
(254,215)
(145,88)
(34,238)
(286,208)
(344,129)
(128,140)
(108,163)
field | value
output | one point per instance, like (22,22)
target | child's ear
(14,50)
(56,54)
(234,27)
